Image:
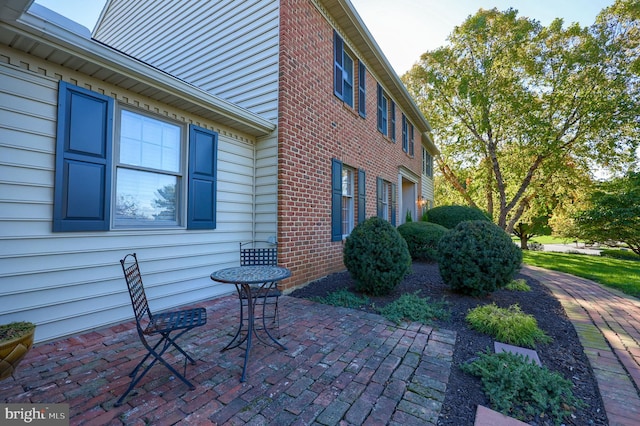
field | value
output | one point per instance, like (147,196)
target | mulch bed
(564,354)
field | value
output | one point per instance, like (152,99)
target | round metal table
(252,282)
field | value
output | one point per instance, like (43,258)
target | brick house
(305,128)
(313,68)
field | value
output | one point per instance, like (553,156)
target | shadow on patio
(342,364)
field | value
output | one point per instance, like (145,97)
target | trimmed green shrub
(450,216)
(477,257)
(422,239)
(376,256)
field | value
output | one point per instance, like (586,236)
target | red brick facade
(315,126)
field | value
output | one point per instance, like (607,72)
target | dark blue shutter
(405,136)
(379,200)
(82,194)
(393,204)
(411,140)
(338,67)
(362,196)
(362,72)
(392,125)
(336,200)
(379,108)
(203,147)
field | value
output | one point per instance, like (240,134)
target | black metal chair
(161,325)
(263,253)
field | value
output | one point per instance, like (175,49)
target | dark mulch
(564,354)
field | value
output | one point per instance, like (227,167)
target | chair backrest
(136,290)
(258,253)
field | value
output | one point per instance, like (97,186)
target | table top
(251,274)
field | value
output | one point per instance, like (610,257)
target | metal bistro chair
(162,324)
(254,253)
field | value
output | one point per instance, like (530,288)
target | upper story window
(141,172)
(342,71)
(383,112)
(427,163)
(407,136)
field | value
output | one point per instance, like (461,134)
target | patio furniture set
(256,282)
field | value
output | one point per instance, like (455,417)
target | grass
(343,298)
(623,275)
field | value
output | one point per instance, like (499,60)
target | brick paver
(342,367)
(608,325)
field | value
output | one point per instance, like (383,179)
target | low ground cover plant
(518,285)
(344,298)
(509,325)
(518,388)
(412,307)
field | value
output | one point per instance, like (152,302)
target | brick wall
(315,126)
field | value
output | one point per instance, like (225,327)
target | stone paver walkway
(343,367)
(608,325)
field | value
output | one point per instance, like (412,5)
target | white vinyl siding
(227,48)
(71,282)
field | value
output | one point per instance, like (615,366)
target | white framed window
(386,188)
(347,201)
(149,175)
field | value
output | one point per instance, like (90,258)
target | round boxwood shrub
(376,256)
(450,216)
(477,258)
(422,239)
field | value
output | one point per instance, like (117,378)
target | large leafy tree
(516,106)
(615,213)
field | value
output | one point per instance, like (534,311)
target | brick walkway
(343,367)
(608,325)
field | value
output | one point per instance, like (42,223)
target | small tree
(615,213)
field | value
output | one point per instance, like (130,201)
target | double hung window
(348,199)
(342,71)
(148,175)
(148,171)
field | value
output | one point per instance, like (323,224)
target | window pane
(347,201)
(348,80)
(146,198)
(150,143)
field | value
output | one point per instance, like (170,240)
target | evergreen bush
(477,257)
(450,216)
(422,239)
(376,256)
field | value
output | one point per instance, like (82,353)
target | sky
(404,29)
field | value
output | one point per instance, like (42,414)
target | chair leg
(157,356)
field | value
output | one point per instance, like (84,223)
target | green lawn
(623,275)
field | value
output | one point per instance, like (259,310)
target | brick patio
(343,367)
